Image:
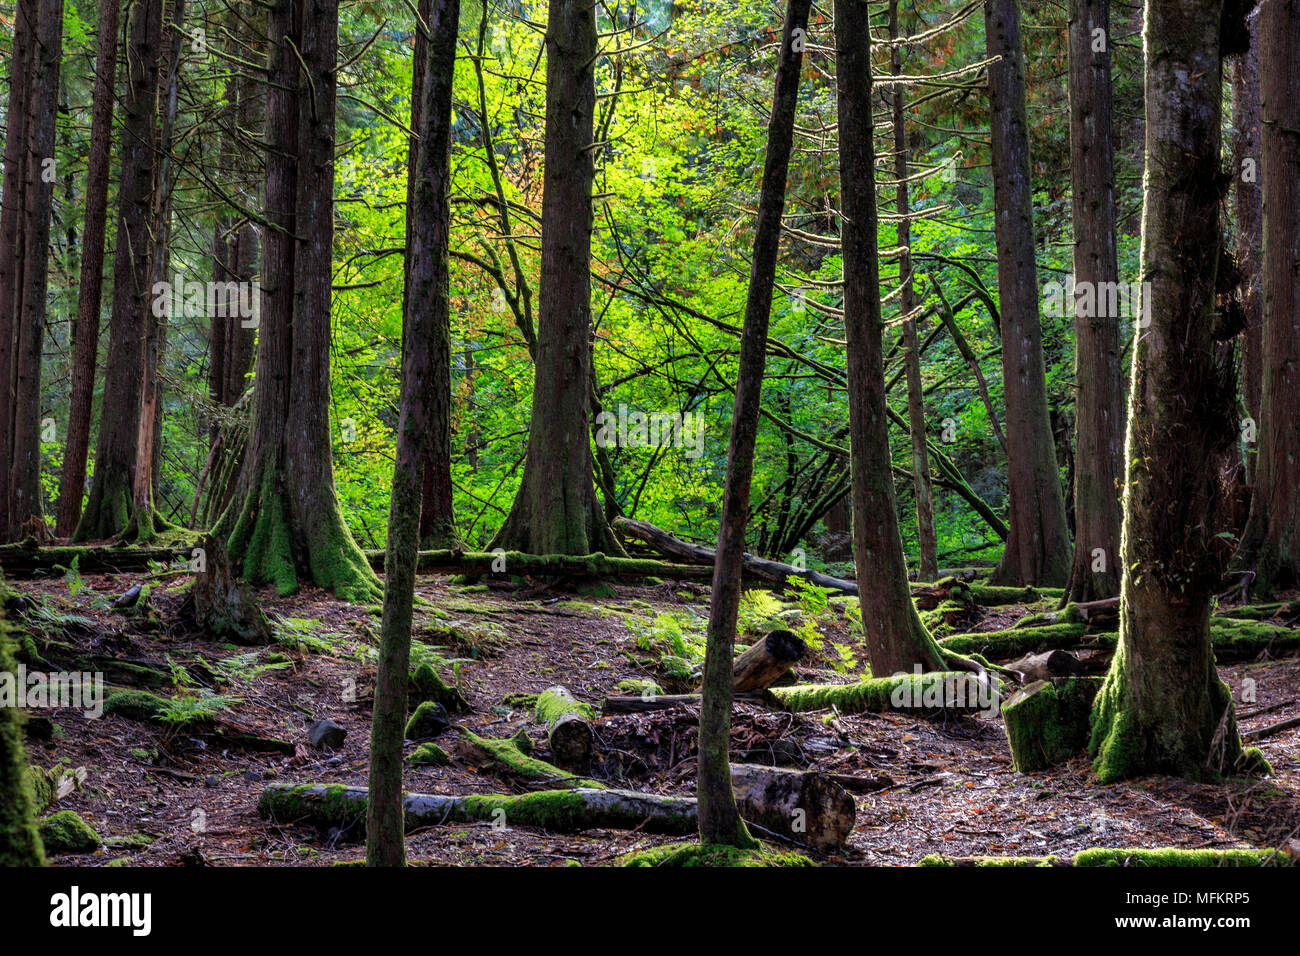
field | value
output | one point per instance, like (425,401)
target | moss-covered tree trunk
(20,842)
(109,506)
(426,318)
(720,822)
(1271,540)
(895,637)
(1163,708)
(1098,382)
(1248,206)
(556,510)
(284,523)
(1038,546)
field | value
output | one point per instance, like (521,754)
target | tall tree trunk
(109,508)
(1163,707)
(21,72)
(425,320)
(20,841)
(1249,205)
(1038,546)
(85,337)
(556,510)
(925,537)
(284,522)
(1098,382)
(896,640)
(1271,541)
(719,820)
(26,507)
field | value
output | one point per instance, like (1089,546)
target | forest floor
(165,797)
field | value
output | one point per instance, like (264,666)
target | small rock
(326,733)
(334,761)
(211,780)
(252,776)
(129,598)
(429,720)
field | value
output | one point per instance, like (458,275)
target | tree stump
(1049,721)
(221,605)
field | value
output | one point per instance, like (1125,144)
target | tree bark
(720,823)
(1038,547)
(896,639)
(1163,707)
(85,344)
(1248,204)
(556,510)
(284,522)
(1271,540)
(925,536)
(109,506)
(425,323)
(1098,382)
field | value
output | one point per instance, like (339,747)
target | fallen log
(568,728)
(773,572)
(647,702)
(951,692)
(805,808)
(767,660)
(1047,665)
(504,757)
(25,560)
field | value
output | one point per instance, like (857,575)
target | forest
(649,433)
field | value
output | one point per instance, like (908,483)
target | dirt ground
(166,798)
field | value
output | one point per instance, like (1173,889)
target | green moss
(552,705)
(879,694)
(1254,764)
(1016,642)
(430,754)
(519,701)
(426,685)
(1162,857)
(135,705)
(505,755)
(695,854)
(20,842)
(935,859)
(426,722)
(65,832)
(1048,722)
(640,688)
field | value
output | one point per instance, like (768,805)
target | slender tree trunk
(26,507)
(1249,205)
(925,536)
(896,639)
(719,820)
(109,507)
(425,320)
(556,510)
(12,250)
(1098,381)
(85,345)
(1163,707)
(1271,540)
(20,841)
(1038,546)
(284,523)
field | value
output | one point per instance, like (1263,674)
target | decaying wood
(1046,665)
(806,807)
(568,731)
(767,660)
(219,604)
(637,705)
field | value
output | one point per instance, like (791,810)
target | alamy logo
(1107,300)
(75,909)
(221,300)
(76,690)
(633,429)
(936,690)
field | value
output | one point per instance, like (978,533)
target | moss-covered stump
(934,859)
(568,728)
(66,832)
(429,720)
(935,692)
(20,843)
(696,854)
(430,755)
(1047,722)
(426,685)
(1161,857)
(343,809)
(504,757)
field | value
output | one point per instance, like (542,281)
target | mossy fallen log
(952,692)
(506,758)
(1138,858)
(806,808)
(1047,722)
(1234,640)
(676,855)
(140,705)
(568,728)
(648,702)
(935,859)
(342,809)
(26,560)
